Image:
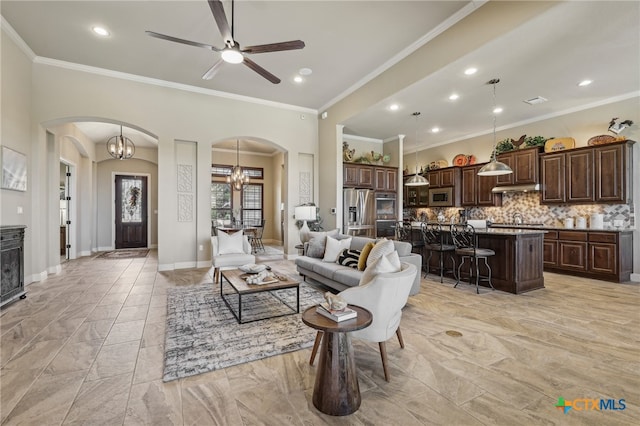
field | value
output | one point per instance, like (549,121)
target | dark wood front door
(131,211)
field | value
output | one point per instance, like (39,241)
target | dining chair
(256,237)
(466,243)
(433,238)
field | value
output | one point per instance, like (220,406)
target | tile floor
(86,347)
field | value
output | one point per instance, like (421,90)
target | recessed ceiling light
(101,31)
(305,71)
(435,129)
(471,71)
(298,79)
(585,83)
(454,96)
(393,107)
(497,110)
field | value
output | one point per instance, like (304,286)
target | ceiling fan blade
(257,68)
(221,19)
(182,41)
(275,47)
(213,70)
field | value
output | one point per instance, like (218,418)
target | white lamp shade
(305,213)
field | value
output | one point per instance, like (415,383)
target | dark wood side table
(336,391)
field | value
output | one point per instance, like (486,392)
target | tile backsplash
(528,205)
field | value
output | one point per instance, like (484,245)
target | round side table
(336,391)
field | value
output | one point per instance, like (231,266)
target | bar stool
(433,238)
(464,239)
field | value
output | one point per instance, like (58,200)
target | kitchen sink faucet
(517,218)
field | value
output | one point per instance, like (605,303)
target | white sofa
(339,277)
(229,261)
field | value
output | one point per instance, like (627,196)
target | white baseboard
(185,265)
(34,278)
(292,256)
(152,246)
(203,264)
(635,278)
(105,248)
(54,269)
(166,267)
(85,253)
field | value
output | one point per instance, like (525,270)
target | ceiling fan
(232,53)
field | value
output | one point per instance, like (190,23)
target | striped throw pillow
(349,257)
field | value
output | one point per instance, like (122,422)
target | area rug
(124,254)
(202,335)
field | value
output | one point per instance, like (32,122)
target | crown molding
(361,138)
(252,153)
(13,35)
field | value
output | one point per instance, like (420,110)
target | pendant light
(416,180)
(494,167)
(120,147)
(237,178)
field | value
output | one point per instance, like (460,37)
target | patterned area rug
(124,254)
(202,335)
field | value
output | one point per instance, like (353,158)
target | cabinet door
(391,180)
(610,174)
(553,178)
(412,196)
(365,177)
(447,177)
(572,255)
(468,187)
(550,253)
(525,167)
(434,179)
(380,180)
(508,160)
(580,176)
(484,196)
(603,258)
(350,172)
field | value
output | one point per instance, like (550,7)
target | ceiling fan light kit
(232,53)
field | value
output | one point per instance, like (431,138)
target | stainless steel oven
(386,214)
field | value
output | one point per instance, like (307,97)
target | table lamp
(305,213)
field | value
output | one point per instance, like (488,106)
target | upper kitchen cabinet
(385,179)
(443,178)
(358,176)
(600,174)
(477,190)
(524,163)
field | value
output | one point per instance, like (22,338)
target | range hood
(516,188)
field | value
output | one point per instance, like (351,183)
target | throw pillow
(362,262)
(317,243)
(385,264)
(230,243)
(349,258)
(334,247)
(382,248)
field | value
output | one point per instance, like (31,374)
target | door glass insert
(131,200)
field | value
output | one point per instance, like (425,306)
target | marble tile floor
(86,347)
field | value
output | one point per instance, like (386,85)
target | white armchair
(229,261)
(384,297)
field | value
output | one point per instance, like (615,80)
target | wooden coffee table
(234,277)
(336,391)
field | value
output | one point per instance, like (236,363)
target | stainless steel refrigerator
(358,209)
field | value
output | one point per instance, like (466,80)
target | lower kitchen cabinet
(595,254)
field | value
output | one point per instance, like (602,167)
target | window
(252,204)
(221,201)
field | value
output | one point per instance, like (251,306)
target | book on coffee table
(342,315)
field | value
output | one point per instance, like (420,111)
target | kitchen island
(517,266)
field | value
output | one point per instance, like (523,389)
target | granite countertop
(557,228)
(509,231)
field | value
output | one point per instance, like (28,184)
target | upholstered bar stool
(465,241)
(433,238)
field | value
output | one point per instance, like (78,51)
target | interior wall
(15,132)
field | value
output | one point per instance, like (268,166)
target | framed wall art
(14,170)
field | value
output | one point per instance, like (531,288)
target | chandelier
(494,167)
(237,177)
(120,147)
(416,180)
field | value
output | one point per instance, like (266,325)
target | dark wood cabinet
(595,254)
(477,190)
(579,176)
(613,172)
(524,163)
(357,176)
(443,178)
(600,174)
(12,262)
(385,179)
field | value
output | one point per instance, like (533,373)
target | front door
(131,211)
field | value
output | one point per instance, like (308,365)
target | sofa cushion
(382,248)
(383,265)
(348,276)
(225,260)
(349,258)
(327,269)
(366,250)
(334,247)
(317,243)
(307,262)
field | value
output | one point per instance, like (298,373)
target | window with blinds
(252,204)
